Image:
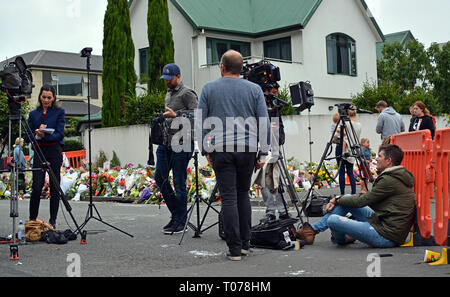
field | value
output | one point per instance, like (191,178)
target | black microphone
(359,110)
(282,102)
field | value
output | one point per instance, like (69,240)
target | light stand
(86,53)
(310,141)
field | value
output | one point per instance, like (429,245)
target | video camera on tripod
(266,75)
(17,83)
(343,109)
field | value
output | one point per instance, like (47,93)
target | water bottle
(21,233)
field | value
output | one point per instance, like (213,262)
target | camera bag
(158,133)
(316,207)
(277,235)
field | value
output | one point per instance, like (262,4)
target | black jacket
(423,123)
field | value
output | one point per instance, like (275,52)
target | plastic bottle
(21,233)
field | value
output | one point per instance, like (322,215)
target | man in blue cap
(178,98)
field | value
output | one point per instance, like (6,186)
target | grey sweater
(233,115)
(389,123)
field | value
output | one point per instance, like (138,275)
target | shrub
(72,145)
(115,160)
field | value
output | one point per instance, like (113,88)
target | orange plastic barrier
(76,158)
(418,154)
(441,162)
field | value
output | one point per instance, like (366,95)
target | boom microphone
(359,110)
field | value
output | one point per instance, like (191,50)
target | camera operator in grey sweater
(232,117)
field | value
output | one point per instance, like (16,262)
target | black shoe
(285,216)
(53,223)
(168,225)
(268,218)
(175,229)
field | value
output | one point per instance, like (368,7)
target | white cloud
(61,25)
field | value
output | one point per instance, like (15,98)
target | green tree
(408,74)
(406,66)
(440,78)
(4,118)
(161,48)
(372,93)
(143,108)
(119,77)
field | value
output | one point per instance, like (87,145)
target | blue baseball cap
(169,71)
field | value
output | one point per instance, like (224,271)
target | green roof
(400,37)
(96,117)
(252,18)
(247,17)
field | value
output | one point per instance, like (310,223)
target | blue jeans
(176,201)
(359,229)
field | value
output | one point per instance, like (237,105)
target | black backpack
(278,235)
(317,205)
(159,131)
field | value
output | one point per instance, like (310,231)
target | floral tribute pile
(138,183)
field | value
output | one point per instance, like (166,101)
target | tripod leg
(188,218)
(286,182)
(99,218)
(213,195)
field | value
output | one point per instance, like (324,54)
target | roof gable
(247,17)
(400,37)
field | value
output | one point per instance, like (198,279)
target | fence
(429,161)
(76,158)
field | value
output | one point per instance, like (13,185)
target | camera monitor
(302,95)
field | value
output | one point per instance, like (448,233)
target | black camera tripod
(17,117)
(196,205)
(346,130)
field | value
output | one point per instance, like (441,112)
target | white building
(331,43)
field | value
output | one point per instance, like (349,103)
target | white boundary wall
(131,142)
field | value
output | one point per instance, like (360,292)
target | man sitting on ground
(383,216)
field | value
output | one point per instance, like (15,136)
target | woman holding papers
(47,123)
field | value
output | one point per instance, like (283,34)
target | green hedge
(72,145)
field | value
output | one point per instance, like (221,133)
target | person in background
(367,154)
(19,160)
(48,115)
(335,118)
(389,121)
(413,118)
(273,199)
(423,120)
(31,154)
(346,159)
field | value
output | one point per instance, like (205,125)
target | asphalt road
(150,253)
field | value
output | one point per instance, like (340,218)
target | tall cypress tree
(161,48)
(119,77)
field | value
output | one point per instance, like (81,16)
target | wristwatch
(337,198)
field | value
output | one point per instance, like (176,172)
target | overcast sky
(70,25)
